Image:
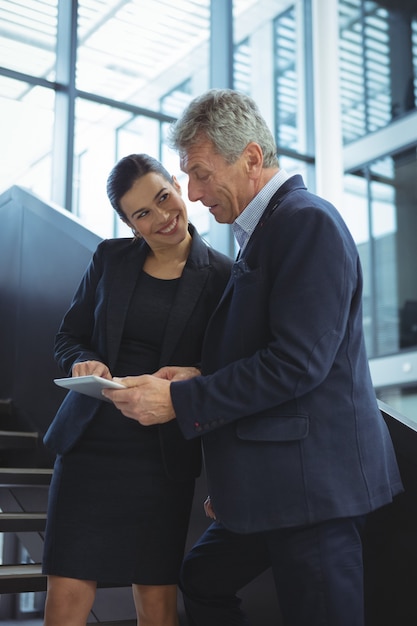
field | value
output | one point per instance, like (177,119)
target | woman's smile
(167,230)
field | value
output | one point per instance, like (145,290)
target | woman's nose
(164,214)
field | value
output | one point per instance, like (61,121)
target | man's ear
(254,158)
(176,185)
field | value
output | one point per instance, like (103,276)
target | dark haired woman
(121,493)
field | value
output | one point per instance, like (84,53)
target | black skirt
(114,516)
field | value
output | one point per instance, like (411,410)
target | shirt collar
(246,222)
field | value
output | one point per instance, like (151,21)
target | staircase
(21,489)
(23,504)
(23,500)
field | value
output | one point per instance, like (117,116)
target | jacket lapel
(122,285)
(292,183)
(189,290)
(192,284)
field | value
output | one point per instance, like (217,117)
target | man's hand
(147,399)
(176,372)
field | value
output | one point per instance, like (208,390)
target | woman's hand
(91,368)
(208,509)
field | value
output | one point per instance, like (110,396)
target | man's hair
(230,120)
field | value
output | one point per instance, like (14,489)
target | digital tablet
(89,385)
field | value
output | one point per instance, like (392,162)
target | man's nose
(194,191)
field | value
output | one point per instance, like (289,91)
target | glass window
(379,209)
(287,121)
(242,67)
(158,60)
(378,60)
(293,95)
(356,215)
(352,87)
(28,36)
(378,68)
(26,130)
(413,97)
(138,50)
(384,264)
(103,135)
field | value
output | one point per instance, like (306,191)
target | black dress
(114,516)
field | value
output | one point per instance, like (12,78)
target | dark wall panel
(43,254)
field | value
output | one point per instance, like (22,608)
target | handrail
(391,412)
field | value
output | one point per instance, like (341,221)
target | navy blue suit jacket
(92,330)
(292,433)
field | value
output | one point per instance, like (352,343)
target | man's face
(223,187)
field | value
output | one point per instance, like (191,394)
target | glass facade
(378,84)
(28,37)
(27,130)
(84,83)
(106,79)
(377,63)
(378,79)
(136,51)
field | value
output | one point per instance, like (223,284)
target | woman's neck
(168,262)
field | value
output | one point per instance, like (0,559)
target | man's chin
(218,216)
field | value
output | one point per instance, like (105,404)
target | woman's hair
(126,172)
(230,120)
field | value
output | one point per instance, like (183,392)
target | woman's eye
(163,197)
(141,214)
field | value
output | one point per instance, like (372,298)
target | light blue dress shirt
(246,222)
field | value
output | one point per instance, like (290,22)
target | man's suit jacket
(292,434)
(92,330)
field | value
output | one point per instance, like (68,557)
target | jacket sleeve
(73,340)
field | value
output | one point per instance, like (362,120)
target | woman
(121,493)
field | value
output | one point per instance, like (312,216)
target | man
(296,451)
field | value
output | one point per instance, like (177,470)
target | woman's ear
(135,232)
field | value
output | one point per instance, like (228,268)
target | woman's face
(155,209)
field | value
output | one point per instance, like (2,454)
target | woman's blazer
(93,326)
(292,433)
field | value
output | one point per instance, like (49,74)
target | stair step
(29,577)
(15,439)
(122,622)
(22,522)
(24,477)
(21,578)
